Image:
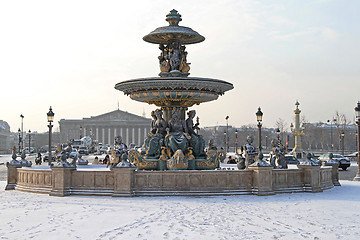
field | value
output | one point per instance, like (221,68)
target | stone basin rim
(172,83)
(186,35)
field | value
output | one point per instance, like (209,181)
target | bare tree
(303,120)
(341,122)
(282,126)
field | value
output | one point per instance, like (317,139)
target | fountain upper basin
(174,91)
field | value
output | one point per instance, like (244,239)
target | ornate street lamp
(357,112)
(259,116)
(50,118)
(29,140)
(342,141)
(227,134)
(225,140)
(292,128)
(22,132)
(335,122)
(331,134)
(19,131)
(236,140)
(278,133)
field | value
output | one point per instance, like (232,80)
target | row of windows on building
(106,135)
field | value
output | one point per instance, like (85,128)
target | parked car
(74,153)
(352,156)
(42,150)
(83,150)
(290,159)
(344,162)
(46,157)
(103,150)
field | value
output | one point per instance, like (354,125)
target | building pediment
(117,115)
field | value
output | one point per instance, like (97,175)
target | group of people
(106,160)
(174,134)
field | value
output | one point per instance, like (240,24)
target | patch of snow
(332,214)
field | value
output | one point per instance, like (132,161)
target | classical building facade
(104,128)
(5,137)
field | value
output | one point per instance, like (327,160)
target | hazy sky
(70,54)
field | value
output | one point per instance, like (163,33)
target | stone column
(11,176)
(145,134)
(97,134)
(139,137)
(61,181)
(262,180)
(123,181)
(311,178)
(127,137)
(133,135)
(103,136)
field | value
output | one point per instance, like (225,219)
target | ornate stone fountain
(172,144)
(174,92)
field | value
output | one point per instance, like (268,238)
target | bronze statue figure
(196,141)
(177,136)
(155,139)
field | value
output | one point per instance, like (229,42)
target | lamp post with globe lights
(278,134)
(342,142)
(22,132)
(29,140)
(227,134)
(357,112)
(50,118)
(225,141)
(331,133)
(19,132)
(236,140)
(259,116)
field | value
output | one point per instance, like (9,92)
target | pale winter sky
(70,54)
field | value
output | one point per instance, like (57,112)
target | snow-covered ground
(332,214)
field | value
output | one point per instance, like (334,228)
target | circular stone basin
(174,91)
(164,34)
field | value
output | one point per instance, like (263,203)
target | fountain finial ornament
(173,18)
